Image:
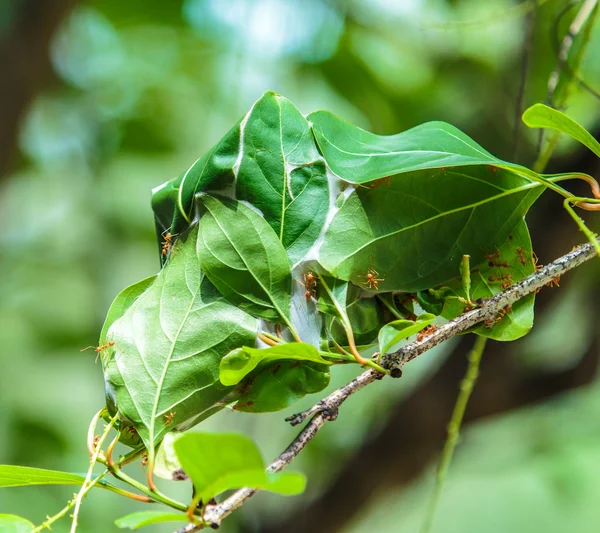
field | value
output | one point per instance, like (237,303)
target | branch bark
(327,408)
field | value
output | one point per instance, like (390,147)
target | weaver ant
(371,278)
(521,255)
(98,349)
(426,332)
(489,324)
(169,418)
(554,282)
(380,181)
(494,255)
(501,277)
(310,282)
(167,244)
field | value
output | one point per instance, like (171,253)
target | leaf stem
(269,339)
(392,309)
(87,484)
(92,430)
(580,223)
(466,387)
(152,494)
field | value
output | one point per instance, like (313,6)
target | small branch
(567,42)
(327,408)
(466,388)
(490,308)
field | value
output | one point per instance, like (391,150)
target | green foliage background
(142,89)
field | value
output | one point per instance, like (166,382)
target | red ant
(238,405)
(491,256)
(169,418)
(99,349)
(426,332)
(501,277)
(167,244)
(554,282)
(521,255)
(310,282)
(380,181)
(498,264)
(489,324)
(371,278)
(145,459)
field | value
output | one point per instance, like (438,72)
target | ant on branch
(426,332)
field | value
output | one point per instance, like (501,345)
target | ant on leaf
(99,349)
(371,278)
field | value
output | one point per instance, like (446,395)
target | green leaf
(243,258)
(413,231)
(510,263)
(163,370)
(365,316)
(359,156)
(147,518)
(123,302)
(167,465)
(282,174)
(394,332)
(173,201)
(21,476)
(219,462)
(542,116)
(10,523)
(277,385)
(236,365)
(333,297)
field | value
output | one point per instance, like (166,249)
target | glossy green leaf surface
(508,264)
(542,116)
(123,302)
(282,174)
(236,365)
(394,332)
(359,156)
(279,384)
(10,523)
(414,230)
(365,316)
(138,520)
(21,476)
(219,462)
(161,372)
(242,256)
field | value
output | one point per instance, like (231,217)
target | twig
(327,408)
(87,484)
(466,387)
(562,61)
(567,42)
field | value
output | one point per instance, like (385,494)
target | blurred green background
(102,100)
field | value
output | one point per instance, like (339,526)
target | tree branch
(327,408)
